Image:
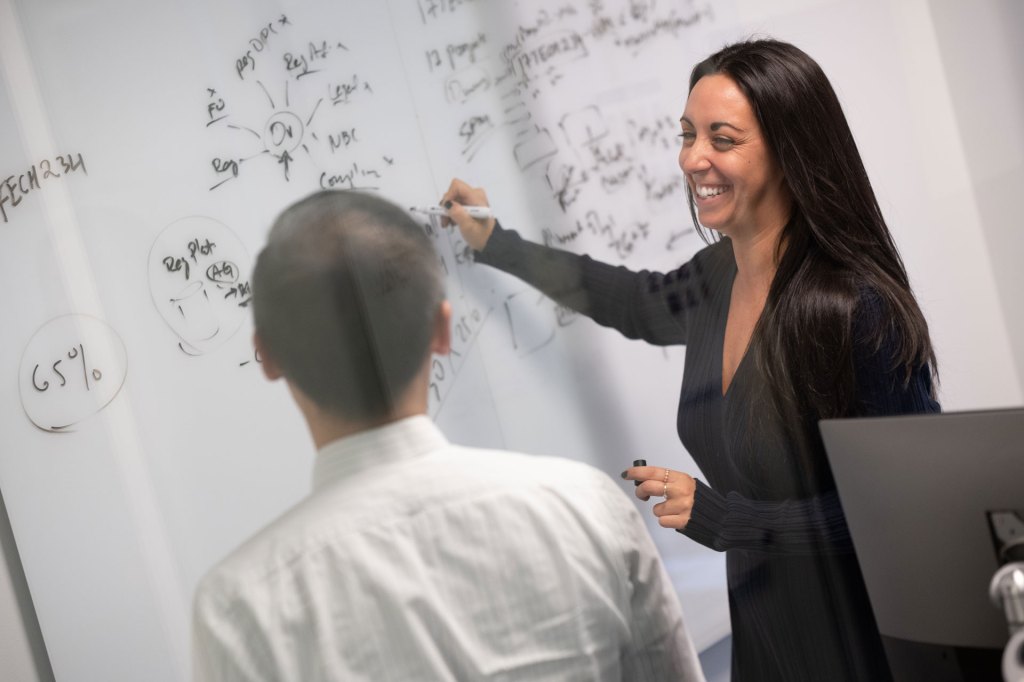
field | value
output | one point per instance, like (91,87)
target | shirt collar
(395,441)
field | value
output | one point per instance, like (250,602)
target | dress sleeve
(816,524)
(796,527)
(641,305)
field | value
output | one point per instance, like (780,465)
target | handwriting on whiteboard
(430,10)
(199,280)
(294,104)
(15,188)
(305,87)
(504,87)
(72,368)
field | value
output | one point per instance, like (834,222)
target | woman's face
(736,183)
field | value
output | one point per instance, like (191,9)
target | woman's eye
(687,137)
(722,143)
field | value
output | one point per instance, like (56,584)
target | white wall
(983,59)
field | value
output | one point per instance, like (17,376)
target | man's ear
(271,369)
(441,343)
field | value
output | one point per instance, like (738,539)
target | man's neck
(326,427)
(329,428)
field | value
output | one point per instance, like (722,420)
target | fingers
(676,487)
(674,512)
(654,486)
(676,521)
(476,232)
(643,473)
(461,193)
(472,228)
(648,489)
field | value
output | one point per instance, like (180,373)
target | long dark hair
(836,245)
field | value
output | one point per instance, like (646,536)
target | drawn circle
(283,133)
(222,272)
(203,310)
(72,368)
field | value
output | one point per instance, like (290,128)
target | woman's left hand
(676,487)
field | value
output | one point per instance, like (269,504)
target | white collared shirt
(414,559)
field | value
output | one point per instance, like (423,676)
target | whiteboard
(140,140)
(152,144)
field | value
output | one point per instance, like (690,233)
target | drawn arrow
(285,158)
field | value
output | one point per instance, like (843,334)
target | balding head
(346,295)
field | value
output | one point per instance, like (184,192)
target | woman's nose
(694,158)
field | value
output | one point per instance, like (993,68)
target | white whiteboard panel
(178,131)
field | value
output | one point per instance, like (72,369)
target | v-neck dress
(798,605)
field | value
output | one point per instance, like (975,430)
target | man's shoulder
(513,484)
(260,554)
(523,469)
(505,483)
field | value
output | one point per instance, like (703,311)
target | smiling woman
(737,185)
(799,309)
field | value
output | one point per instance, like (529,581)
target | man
(414,559)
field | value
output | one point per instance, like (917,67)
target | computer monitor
(917,492)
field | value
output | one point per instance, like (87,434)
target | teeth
(705,191)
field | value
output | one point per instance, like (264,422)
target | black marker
(639,463)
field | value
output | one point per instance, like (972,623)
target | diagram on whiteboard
(285,109)
(468,316)
(72,368)
(199,279)
(613,137)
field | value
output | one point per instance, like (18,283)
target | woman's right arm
(641,305)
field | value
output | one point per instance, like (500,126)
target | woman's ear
(271,370)
(441,343)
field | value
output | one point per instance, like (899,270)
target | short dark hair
(345,297)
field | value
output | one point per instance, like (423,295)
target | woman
(801,310)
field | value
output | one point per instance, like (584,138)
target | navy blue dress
(798,605)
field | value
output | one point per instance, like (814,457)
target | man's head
(347,302)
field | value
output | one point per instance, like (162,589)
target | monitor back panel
(915,490)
